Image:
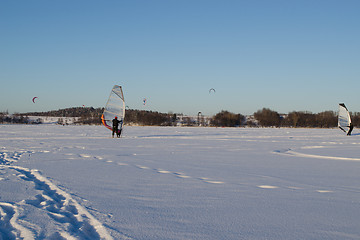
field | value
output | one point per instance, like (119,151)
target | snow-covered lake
(76,182)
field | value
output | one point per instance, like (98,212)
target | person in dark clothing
(350,129)
(115,127)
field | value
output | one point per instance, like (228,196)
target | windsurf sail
(115,107)
(344,119)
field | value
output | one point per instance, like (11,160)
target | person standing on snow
(115,127)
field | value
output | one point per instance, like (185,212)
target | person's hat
(115,117)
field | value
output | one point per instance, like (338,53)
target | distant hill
(90,115)
(68,112)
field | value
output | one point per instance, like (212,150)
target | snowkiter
(115,127)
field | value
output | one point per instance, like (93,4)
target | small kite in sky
(212,90)
(34,99)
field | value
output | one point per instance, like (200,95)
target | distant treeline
(5,118)
(327,119)
(227,119)
(90,115)
(262,118)
(85,115)
(141,117)
(68,112)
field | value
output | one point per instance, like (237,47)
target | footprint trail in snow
(72,220)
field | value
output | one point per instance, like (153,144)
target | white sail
(115,107)
(344,120)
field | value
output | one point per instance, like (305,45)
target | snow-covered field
(76,182)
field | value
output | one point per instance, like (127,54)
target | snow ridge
(290,152)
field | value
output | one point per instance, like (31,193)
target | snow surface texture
(76,182)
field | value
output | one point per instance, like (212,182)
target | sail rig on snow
(115,107)
(344,119)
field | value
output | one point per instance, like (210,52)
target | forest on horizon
(262,118)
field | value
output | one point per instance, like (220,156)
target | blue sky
(279,54)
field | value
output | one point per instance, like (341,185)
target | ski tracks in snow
(72,220)
(176,174)
(182,175)
(179,174)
